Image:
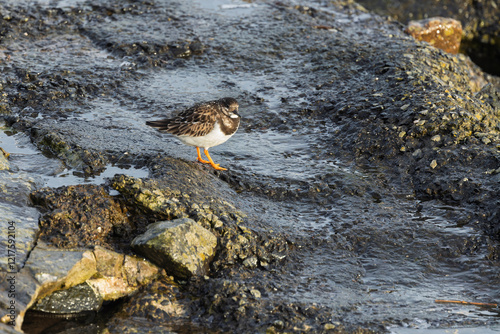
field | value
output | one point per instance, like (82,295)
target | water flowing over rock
(182,247)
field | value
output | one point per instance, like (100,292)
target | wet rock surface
(4,162)
(362,184)
(232,307)
(207,201)
(76,299)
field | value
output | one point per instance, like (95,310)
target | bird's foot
(210,161)
(216,166)
(203,161)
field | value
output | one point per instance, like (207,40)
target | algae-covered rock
(175,195)
(54,144)
(79,216)
(181,246)
(161,301)
(151,198)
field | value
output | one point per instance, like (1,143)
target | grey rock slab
(18,221)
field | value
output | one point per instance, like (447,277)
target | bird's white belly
(211,139)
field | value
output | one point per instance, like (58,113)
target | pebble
(256,293)
(250,262)
(436,138)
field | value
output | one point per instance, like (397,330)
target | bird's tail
(161,125)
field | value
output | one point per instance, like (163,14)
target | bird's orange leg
(214,165)
(200,158)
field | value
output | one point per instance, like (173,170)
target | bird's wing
(195,121)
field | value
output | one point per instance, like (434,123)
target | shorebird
(204,125)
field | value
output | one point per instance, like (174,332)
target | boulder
(181,246)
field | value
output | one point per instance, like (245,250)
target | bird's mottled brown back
(195,121)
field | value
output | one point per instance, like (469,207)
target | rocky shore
(363,183)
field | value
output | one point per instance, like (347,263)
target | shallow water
(50,172)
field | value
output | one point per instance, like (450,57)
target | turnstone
(204,125)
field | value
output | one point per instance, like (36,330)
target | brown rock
(443,33)
(119,275)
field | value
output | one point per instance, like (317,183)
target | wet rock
(251,262)
(151,198)
(52,143)
(341,115)
(79,216)
(221,305)
(48,270)
(490,95)
(181,246)
(76,299)
(163,303)
(19,220)
(170,42)
(7,329)
(443,33)
(237,306)
(192,194)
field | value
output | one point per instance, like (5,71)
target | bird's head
(229,107)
